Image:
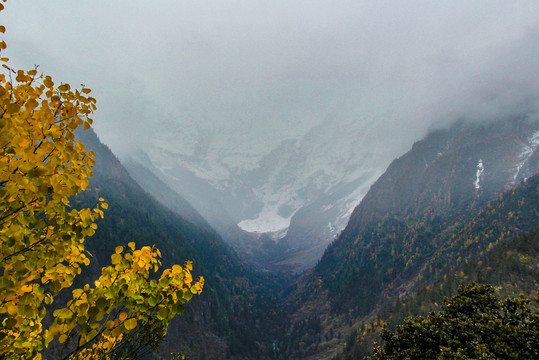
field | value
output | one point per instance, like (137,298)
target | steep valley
(269,180)
(424,219)
(436,218)
(278,203)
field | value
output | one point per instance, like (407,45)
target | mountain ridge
(436,206)
(424,212)
(301,190)
(215,324)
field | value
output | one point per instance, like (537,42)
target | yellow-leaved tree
(42,250)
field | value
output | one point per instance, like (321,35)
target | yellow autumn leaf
(48,82)
(64,87)
(43,167)
(12,108)
(130,324)
(116,259)
(122,316)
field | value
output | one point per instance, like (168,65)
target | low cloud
(261,69)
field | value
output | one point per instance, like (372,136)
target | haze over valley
(329,167)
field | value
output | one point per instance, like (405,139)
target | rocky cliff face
(451,169)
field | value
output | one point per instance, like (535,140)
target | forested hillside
(510,267)
(436,208)
(295,180)
(409,233)
(225,321)
(407,215)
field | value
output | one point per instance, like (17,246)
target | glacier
(297,189)
(262,184)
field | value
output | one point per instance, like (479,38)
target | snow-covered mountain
(298,190)
(283,200)
(438,205)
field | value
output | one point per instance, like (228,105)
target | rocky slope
(224,321)
(435,208)
(290,196)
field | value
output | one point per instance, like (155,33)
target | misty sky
(265,69)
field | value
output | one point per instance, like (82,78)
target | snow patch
(267,221)
(527,151)
(331,228)
(479,174)
(283,174)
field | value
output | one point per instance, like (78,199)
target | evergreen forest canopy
(474,324)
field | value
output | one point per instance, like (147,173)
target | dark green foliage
(237,313)
(510,267)
(303,337)
(421,224)
(396,251)
(475,324)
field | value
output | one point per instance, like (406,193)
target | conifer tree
(474,324)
